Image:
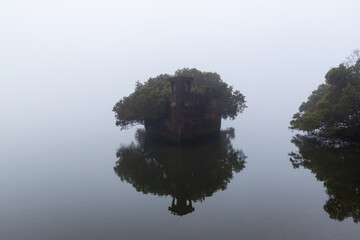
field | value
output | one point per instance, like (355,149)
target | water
(65,179)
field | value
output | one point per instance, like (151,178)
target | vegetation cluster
(149,100)
(333,109)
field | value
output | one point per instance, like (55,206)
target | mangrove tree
(149,100)
(333,109)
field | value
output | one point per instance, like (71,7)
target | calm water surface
(79,179)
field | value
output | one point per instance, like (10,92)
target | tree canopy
(149,100)
(333,109)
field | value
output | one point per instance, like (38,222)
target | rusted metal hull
(189,116)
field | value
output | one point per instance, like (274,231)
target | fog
(64,64)
(59,56)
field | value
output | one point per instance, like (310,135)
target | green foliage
(333,109)
(149,100)
(337,165)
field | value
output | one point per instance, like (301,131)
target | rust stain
(189,115)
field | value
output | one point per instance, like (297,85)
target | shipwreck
(188,115)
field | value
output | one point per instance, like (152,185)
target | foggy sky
(68,62)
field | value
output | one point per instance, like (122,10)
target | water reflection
(337,164)
(188,173)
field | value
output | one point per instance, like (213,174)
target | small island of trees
(333,109)
(165,105)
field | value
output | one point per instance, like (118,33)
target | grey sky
(59,56)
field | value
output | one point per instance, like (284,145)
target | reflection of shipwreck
(181,206)
(188,173)
(189,115)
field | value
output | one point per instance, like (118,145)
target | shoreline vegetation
(333,109)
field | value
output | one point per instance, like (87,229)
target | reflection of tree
(187,173)
(337,164)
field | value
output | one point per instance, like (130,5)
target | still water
(76,179)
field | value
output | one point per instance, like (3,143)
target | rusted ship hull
(189,115)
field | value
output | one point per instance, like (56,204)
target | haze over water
(64,64)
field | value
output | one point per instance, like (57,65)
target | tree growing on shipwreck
(179,107)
